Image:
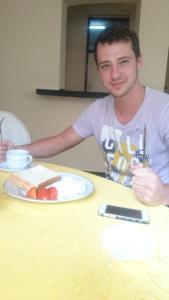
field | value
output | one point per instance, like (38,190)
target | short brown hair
(115,34)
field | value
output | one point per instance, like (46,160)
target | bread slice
(36,176)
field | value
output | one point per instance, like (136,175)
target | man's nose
(114,72)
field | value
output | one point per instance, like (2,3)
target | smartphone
(123,213)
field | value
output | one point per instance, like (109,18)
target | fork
(1,137)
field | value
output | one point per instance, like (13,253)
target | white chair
(13,129)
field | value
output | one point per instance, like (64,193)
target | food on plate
(53,193)
(70,187)
(34,182)
(42,193)
(37,176)
(31,193)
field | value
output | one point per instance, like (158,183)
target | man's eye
(124,61)
(105,66)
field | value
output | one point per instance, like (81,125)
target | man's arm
(55,144)
(48,146)
(148,187)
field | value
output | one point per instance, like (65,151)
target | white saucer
(4,167)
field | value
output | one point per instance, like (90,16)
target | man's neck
(127,106)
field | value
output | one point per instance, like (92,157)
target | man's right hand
(4,146)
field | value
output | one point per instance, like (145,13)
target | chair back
(13,129)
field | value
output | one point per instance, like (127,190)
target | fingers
(145,178)
(4,146)
(135,166)
(3,150)
(147,186)
(141,171)
(144,194)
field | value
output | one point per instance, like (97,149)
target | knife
(144,145)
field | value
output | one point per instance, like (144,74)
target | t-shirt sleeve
(83,125)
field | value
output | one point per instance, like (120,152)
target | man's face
(118,67)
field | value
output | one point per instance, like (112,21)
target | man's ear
(139,62)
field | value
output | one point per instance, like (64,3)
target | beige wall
(62,47)
(31,57)
(154,36)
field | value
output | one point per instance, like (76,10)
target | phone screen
(122,211)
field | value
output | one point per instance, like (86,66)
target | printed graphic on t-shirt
(120,151)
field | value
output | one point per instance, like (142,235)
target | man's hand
(148,186)
(4,146)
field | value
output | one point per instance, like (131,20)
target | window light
(97,27)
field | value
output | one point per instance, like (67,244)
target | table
(56,252)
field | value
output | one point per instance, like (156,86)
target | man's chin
(119,94)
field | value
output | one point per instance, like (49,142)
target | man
(130,125)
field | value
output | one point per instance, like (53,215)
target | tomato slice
(31,193)
(53,193)
(42,193)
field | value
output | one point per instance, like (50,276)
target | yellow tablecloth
(55,252)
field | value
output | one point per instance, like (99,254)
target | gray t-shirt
(122,144)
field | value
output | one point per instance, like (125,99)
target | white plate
(70,187)
(4,167)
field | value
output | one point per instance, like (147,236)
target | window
(97,24)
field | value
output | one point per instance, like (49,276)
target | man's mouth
(117,85)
